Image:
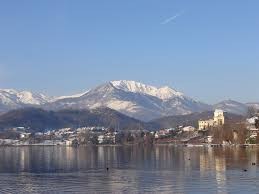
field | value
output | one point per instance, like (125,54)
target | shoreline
(130,145)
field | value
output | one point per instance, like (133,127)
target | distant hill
(39,120)
(232,106)
(254,105)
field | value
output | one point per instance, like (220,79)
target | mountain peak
(11,91)
(14,97)
(163,93)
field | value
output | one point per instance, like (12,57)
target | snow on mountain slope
(32,98)
(253,104)
(136,87)
(133,99)
(72,96)
(232,106)
(12,99)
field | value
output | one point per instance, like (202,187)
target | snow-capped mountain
(136,87)
(12,99)
(133,99)
(232,106)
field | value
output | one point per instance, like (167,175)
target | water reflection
(220,169)
(165,169)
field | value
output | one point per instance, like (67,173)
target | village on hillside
(219,130)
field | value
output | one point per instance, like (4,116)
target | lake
(132,169)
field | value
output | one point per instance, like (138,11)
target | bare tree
(251,111)
(84,137)
(257,123)
(257,139)
(226,133)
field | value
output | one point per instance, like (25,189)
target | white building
(251,121)
(251,126)
(69,142)
(24,135)
(218,119)
(205,124)
(161,133)
(188,129)
(101,139)
(209,139)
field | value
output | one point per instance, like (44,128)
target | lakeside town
(214,131)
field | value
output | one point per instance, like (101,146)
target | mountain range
(134,99)
(11,99)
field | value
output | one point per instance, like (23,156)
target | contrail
(166,21)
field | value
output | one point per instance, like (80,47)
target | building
(188,129)
(218,120)
(108,138)
(252,121)
(209,139)
(101,139)
(251,126)
(162,133)
(219,117)
(205,124)
(24,135)
(69,142)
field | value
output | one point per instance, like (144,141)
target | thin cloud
(168,20)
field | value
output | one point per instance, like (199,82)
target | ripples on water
(158,169)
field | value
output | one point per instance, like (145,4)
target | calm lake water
(157,169)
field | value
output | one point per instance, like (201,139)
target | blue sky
(207,49)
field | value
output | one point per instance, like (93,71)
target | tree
(94,139)
(242,133)
(251,111)
(217,135)
(226,133)
(257,139)
(84,137)
(75,143)
(257,123)
(149,139)
(130,137)
(9,134)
